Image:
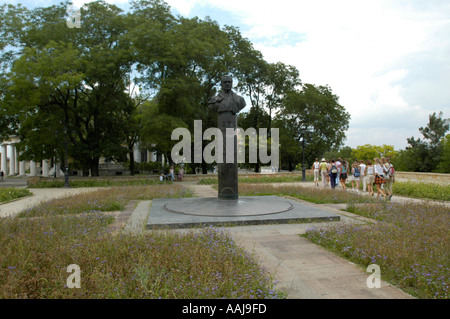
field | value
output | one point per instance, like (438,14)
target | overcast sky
(388,61)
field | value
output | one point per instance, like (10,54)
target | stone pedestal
(228,170)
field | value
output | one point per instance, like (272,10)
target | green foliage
(75,84)
(98,181)
(422,190)
(425,155)
(157,129)
(369,152)
(310,194)
(149,166)
(260,179)
(70,83)
(10,193)
(315,115)
(444,164)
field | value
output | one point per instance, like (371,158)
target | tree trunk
(130,150)
(94,166)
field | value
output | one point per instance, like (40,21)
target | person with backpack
(333,173)
(385,165)
(356,174)
(343,175)
(389,176)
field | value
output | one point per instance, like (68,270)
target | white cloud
(366,51)
(80,3)
(377,56)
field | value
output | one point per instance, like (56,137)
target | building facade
(11,166)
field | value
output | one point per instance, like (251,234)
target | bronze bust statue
(226,100)
(227,104)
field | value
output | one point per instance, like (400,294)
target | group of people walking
(379,173)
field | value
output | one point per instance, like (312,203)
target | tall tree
(12,22)
(252,72)
(281,80)
(182,62)
(314,114)
(423,155)
(157,128)
(75,76)
(444,164)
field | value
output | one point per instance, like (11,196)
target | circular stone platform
(215,207)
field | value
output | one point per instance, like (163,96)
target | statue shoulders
(217,98)
(240,99)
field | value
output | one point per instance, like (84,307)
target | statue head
(227,83)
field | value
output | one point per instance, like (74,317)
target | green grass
(423,190)
(38,247)
(10,193)
(104,200)
(97,182)
(317,195)
(261,179)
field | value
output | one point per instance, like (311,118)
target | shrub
(10,193)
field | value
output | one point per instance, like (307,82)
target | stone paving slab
(137,220)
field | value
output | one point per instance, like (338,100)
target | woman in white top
(379,177)
(362,169)
(386,166)
(315,167)
(370,177)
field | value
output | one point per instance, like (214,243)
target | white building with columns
(11,166)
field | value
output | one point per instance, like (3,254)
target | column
(58,169)
(4,154)
(137,153)
(32,168)
(12,160)
(22,168)
(45,168)
(16,161)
